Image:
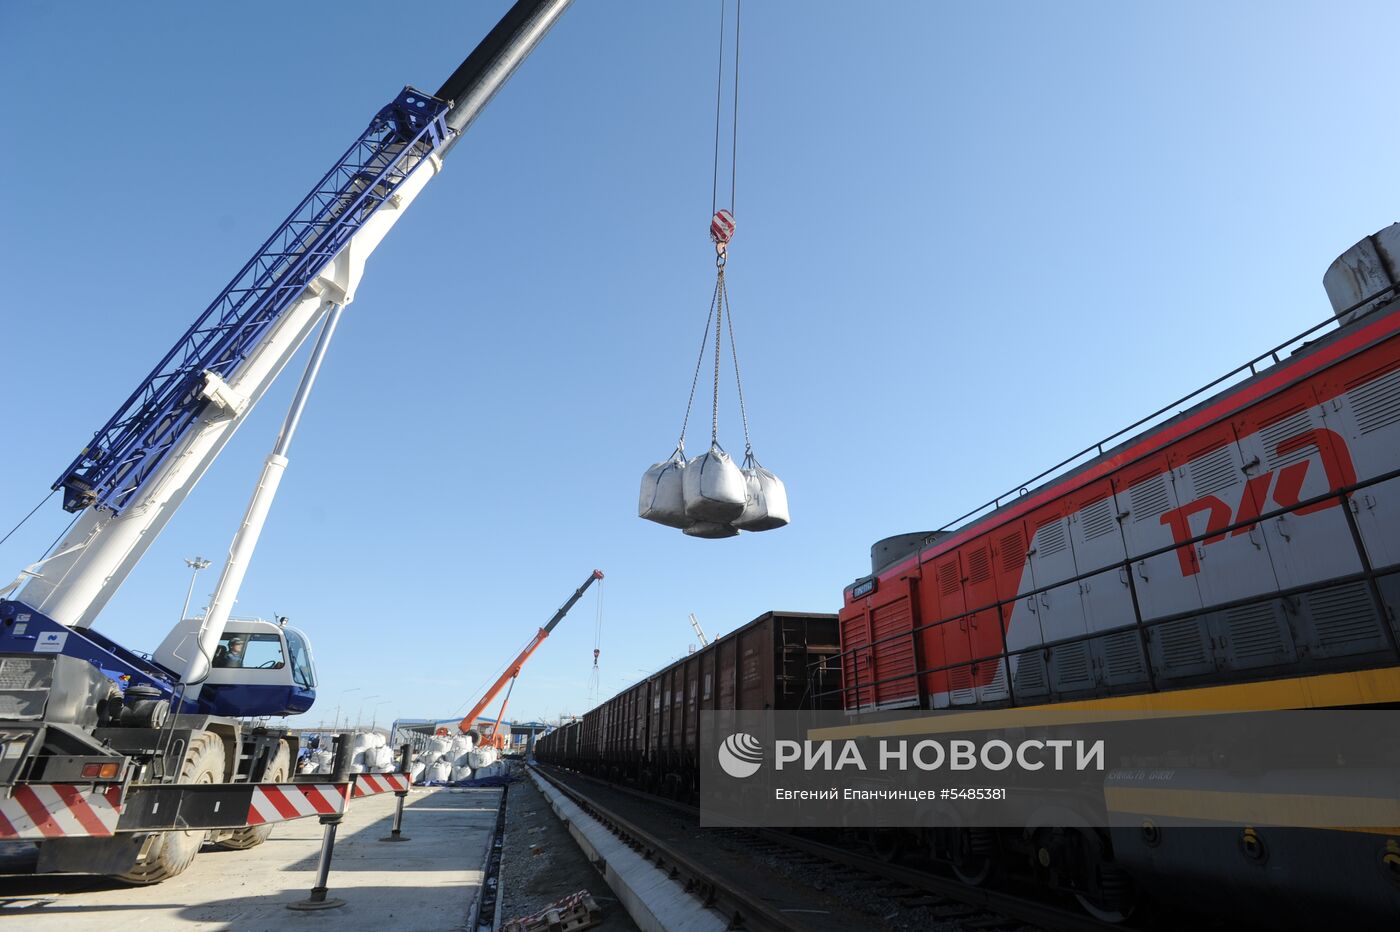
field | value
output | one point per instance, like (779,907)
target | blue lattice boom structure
(129,449)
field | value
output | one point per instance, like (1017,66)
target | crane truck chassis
(119,763)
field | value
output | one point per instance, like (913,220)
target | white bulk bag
(767,506)
(663,492)
(440,772)
(362,740)
(383,759)
(714,487)
(416,774)
(710,530)
(377,740)
(461,773)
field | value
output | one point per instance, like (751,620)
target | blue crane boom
(110,471)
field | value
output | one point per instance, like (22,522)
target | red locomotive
(1243,554)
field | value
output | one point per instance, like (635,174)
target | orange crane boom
(508,677)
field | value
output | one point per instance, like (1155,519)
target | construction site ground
(429,882)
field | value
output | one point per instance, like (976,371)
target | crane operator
(230,656)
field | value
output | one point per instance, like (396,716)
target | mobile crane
(495,738)
(117,762)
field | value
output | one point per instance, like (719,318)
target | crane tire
(171,852)
(254,835)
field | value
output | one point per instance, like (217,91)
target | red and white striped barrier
(372,784)
(278,802)
(54,810)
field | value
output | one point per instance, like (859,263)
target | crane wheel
(171,852)
(254,835)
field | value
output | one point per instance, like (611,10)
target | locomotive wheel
(975,859)
(1115,900)
(254,835)
(171,852)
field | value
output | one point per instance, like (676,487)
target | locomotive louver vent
(1279,431)
(891,619)
(1213,472)
(979,565)
(948,581)
(1050,539)
(1149,498)
(960,685)
(853,631)
(996,689)
(1377,403)
(1254,631)
(1123,654)
(1344,616)
(1013,552)
(1182,644)
(1030,675)
(1097,519)
(1069,665)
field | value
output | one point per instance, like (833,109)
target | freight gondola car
(647,735)
(1243,553)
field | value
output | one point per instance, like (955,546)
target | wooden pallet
(571,914)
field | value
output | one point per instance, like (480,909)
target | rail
(743,911)
(1011,906)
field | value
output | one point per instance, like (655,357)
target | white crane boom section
(101,549)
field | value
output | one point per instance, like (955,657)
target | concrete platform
(428,883)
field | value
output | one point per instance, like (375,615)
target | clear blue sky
(973,238)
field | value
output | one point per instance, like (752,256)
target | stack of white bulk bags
(711,497)
(446,760)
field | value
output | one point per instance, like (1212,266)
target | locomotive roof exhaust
(1367,270)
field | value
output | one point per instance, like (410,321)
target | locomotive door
(890,628)
(984,626)
(1108,601)
(1285,443)
(1365,412)
(1025,655)
(953,635)
(1211,477)
(1166,582)
(1291,455)
(1060,608)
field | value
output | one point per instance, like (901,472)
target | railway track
(742,885)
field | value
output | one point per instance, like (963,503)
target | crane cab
(259,667)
